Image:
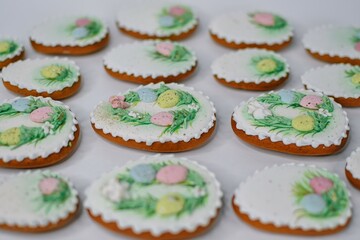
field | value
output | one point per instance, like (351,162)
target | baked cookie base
(47,228)
(273,47)
(283,230)
(266,143)
(354,181)
(13,59)
(57,95)
(173,37)
(263,86)
(333,59)
(142,80)
(167,147)
(49,160)
(147,235)
(69,50)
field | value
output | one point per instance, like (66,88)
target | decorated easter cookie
(158,197)
(334,44)
(254,29)
(251,69)
(57,78)
(37,201)
(156,117)
(292,121)
(73,35)
(150,61)
(156,20)
(340,81)
(10,51)
(294,199)
(352,169)
(36,132)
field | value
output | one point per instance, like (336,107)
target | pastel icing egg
(357,46)
(147,95)
(313,203)
(166,21)
(165,48)
(4,46)
(266,65)
(82,22)
(41,115)
(21,104)
(80,32)
(311,101)
(303,123)
(168,99)
(143,173)
(356,79)
(170,204)
(265,19)
(162,119)
(172,174)
(321,184)
(49,185)
(51,72)
(287,96)
(10,137)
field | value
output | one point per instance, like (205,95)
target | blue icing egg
(79,33)
(287,96)
(21,104)
(143,173)
(166,21)
(313,203)
(147,95)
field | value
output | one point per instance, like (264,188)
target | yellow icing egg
(4,46)
(266,65)
(303,123)
(356,78)
(10,137)
(52,71)
(170,204)
(168,99)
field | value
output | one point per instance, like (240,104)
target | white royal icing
(135,59)
(236,67)
(17,52)
(236,27)
(27,74)
(332,81)
(332,41)
(353,163)
(45,147)
(21,201)
(54,32)
(267,196)
(204,121)
(100,206)
(332,135)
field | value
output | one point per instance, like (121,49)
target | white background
(229,158)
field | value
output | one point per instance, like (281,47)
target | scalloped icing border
(20,50)
(75,201)
(317,89)
(148,141)
(190,226)
(40,90)
(348,163)
(251,80)
(114,68)
(255,217)
(64,143)
(290,140)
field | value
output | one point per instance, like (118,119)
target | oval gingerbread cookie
(352,170)
(10,51)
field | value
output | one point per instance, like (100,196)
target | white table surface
(229,158)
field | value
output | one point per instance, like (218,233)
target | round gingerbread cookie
(334,44)
(299,122)
(340,81)
(255,29)
(156,117)
(72,35)
(37,201)
(10,51)
(251,69)
(156,19)
(150,61)
(158,197)
(36,132)
(352,170)
(294,199)
(57,78)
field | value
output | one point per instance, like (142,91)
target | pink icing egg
(82,22)
(172,174)
(162,119)
(311,101)
(357,46)
(321,185)
(41,115)
(48,185)
(177,11)
(266,19)
(165,48)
